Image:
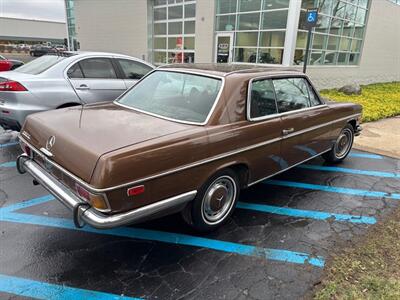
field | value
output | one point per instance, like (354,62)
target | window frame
(121,74)
(279,114)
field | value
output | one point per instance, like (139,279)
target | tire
(342,146)
(214,202)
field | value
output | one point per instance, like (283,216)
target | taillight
(5,65)
(136,190)
(27,150)
(96,200)
(11,86)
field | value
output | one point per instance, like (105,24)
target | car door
(132,70)
(305,119)
(264,129)
(95,79)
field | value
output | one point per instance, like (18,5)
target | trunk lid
(84,133)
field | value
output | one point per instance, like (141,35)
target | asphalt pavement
(274,247)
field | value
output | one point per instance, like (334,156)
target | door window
(132,69)
(291,94)
(98,68)
(314,100)
(262,99)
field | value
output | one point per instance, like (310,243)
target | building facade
(354,41)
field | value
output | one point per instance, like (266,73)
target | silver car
(67,79)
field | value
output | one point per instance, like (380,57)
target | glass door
(223,48)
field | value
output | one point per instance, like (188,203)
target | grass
(370,270)
(379,101)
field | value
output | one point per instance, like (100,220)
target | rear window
(40,64)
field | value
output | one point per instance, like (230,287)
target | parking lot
(275,246)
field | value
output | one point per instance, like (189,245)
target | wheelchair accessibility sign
(311,17)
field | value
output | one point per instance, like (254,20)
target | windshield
(179,96)
(40,64)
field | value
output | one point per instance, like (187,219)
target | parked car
(68,79)
(39,50)
(183,139)
(60,48)
(9,64)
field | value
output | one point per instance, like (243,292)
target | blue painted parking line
(172,238)
(334,189)
(365,155)
(7,215)
(350,171)
(8,144)
(9,164)
(42,290)
(300,213)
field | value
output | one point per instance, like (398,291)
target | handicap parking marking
(350,171)
(8,144)
(309,214)
(333,189)
(365,155)
(7,214)
(43,290)
(9,164)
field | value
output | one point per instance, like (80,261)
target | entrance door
(223,48)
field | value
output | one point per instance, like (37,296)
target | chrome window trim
(184,167)
(216,100)
(278,114)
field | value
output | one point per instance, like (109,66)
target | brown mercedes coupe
(185,138)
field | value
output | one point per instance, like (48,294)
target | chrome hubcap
(343,143)
(218,199)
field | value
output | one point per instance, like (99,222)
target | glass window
(270,56)
(246,39)
(133,69)
(262,99)
(160,28)
(342,58)
(160,43)
(226,6)
(175,28)
(178,28)
(248,55)
(190,10)
(40,64)
(75,71)
(190,27)
(246,5)
(291,94)
(274,19)
(272,39)
(175,12)
(98,68)
(249,21)
(226,23)
(160,13)
(319,41)
(275,4)
(160,2)
(179,96)
(314,100)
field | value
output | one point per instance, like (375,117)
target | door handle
(287,131)
(83,87)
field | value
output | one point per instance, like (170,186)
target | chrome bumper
(83,212)
(358,130)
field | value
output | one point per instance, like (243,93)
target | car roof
(225,70)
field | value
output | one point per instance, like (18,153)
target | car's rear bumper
(84,213)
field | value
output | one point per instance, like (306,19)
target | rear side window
(132,69)
(314,100)
(98,68)
(75,71)
(262,99)
(291,94)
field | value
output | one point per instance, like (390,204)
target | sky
(33,9)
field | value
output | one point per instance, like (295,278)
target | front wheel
(342,146)
(214,202)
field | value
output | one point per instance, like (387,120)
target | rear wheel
(214,202)
(342,146)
